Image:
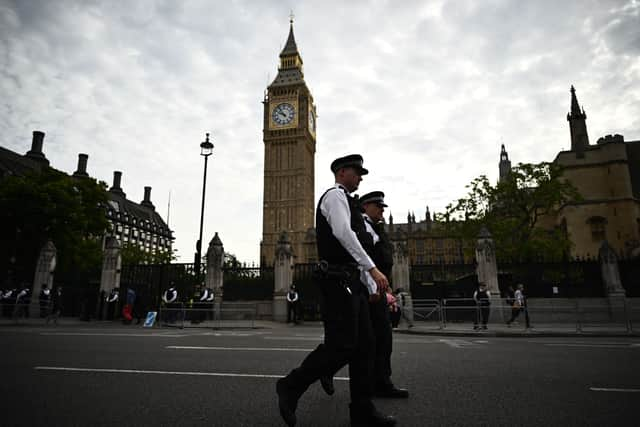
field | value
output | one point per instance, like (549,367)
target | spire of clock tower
(290,69)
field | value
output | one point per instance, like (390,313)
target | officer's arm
(335,209)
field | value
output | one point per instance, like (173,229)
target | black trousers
(482,314)
(292,312)
(515,312)
(381,322)
(348,339)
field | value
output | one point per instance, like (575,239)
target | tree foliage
(52,205)
(133,254)
(519,211)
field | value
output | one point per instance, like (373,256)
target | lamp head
(206,147)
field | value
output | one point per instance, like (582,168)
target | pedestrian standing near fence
(519,305)
(401,298)
(56,306)
(292,305)
(170,298)
(23,299)
(45,300)
(483,306)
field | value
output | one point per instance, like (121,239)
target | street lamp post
(206,149)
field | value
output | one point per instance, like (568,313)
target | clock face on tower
(283,114)
(312,121)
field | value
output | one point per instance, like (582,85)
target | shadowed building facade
(429,241)
(130,222)
(289,135)
(607,175)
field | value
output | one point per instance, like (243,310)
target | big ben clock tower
(289,135)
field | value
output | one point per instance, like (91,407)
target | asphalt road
(104,375)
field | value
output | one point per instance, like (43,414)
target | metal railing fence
(181,315)
(579,315)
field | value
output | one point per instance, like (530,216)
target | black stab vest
(329,248)
(382,251)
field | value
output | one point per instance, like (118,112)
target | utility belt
(344,274)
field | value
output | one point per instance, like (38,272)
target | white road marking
(456,343)
(81,334)
(621,345)
(318,338)
(142,371)
(616,390)
(185,347)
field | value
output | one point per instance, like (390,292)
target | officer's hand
(380,279)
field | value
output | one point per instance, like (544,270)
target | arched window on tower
(598,226)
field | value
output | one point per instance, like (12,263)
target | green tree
(133,254)
(513,210)
(52,205)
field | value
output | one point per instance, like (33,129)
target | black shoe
(287,402)
(484,327)
(327,385)
(371,419)
(392,392)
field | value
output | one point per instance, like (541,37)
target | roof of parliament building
(132,222)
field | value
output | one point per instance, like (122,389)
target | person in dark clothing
(127,309)
(483,306)
(382,255)
(170,301)
(45,300)
(56,306)
(8,302)
(23,299)
(140,306)
(348,335)
(292,305)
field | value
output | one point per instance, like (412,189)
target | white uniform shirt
(364,276)
(519,297)
(335,208)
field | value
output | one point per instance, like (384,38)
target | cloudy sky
(425,90)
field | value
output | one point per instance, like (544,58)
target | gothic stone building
(131,222)
(428,241)
(607,175)
(289,135)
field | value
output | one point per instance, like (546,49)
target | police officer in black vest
(348,335)
(382,254)
(373,206)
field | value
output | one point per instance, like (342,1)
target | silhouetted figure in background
(292,305)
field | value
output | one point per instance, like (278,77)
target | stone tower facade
(289,135)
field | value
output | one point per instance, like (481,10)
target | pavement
(461,329)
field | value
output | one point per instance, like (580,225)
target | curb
(529,334)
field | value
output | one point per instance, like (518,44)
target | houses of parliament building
(607,175)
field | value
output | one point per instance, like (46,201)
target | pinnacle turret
(577,126)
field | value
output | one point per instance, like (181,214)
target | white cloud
(426,90)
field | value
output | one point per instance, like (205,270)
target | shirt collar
(341,187)
(368,218)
